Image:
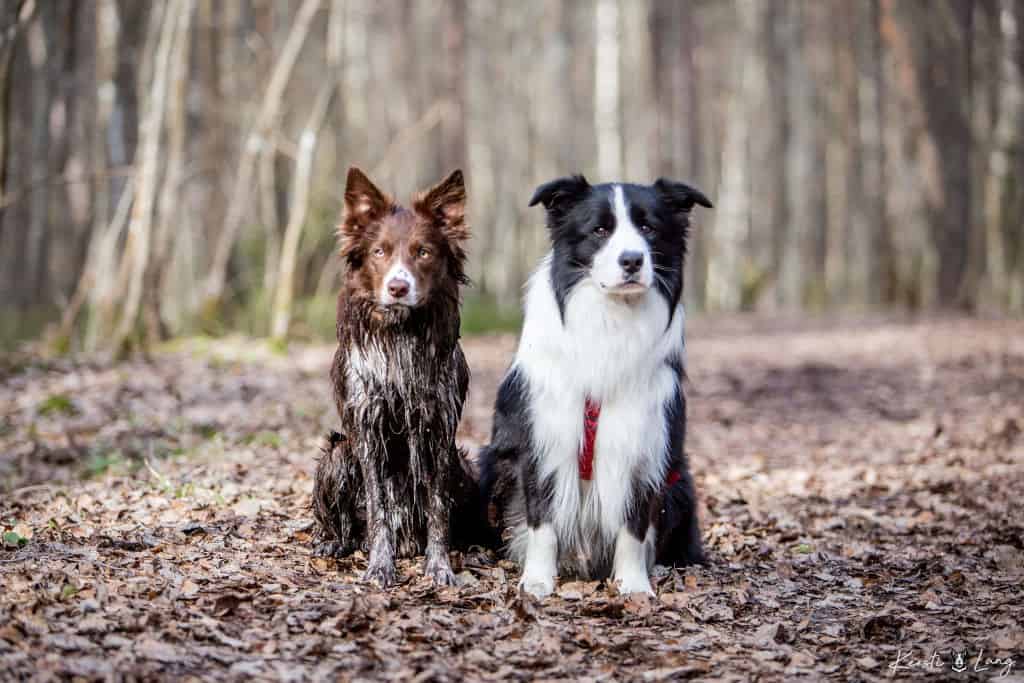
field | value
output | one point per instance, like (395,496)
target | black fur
(509,482)
(575,209)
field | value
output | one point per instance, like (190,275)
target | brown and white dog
(388,482)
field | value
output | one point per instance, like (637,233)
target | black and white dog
(586,467)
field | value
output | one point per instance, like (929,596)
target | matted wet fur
(388,482)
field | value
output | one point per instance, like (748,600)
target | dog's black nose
(398,288)
(631,261)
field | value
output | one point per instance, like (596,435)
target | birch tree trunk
(300,207)
(607,123)
(171,216)
(638,121)
(147,168)
(732,218)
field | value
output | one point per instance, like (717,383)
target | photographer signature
(960,662)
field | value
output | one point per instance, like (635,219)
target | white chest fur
(615,352)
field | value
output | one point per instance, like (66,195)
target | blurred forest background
(176,167)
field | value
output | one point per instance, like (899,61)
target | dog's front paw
(634,583)
(380,573)
(538,586)
(440,570)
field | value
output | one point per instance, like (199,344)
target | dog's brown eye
(645,229)
(601,231)
(378,252)
(424,252)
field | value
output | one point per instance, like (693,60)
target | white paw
(634,583)
(629,568)
(539,587)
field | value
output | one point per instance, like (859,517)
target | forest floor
(861,490)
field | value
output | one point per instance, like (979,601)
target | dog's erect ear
(558,195)
(679,196)
(364,203)
(446,204)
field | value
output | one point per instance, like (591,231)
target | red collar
(591,414)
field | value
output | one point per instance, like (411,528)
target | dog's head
(626,239)
(404,258)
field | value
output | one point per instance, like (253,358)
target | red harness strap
(591,414)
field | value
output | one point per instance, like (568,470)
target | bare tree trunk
(13,17)
(732,218)
(942,33)
(171,218)
(67,201)
(638,117)
(138,249)
(778,34)
(998,188)
(131,19)
(676,91)
(453,128)
(872,138)
(607,114)
(39,49)
(300,206)
(255,143)
(798,160)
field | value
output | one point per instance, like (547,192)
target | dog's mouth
(391,312)
(629,287)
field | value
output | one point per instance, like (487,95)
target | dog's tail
(470,523)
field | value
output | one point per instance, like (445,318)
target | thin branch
(13,197)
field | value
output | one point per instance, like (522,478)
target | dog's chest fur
(399,387)
(401,384)
(625,356)
(398,378)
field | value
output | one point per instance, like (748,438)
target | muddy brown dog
(388,483)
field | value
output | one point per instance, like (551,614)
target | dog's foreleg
(540,565)
(634,548)
(630,566)
(380,532)
(436,563)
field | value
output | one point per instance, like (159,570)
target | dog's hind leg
(336,493)
(679,540)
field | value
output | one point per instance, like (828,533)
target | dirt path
(861,494)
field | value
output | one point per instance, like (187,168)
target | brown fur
(387,483)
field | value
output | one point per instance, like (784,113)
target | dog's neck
(362,321)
